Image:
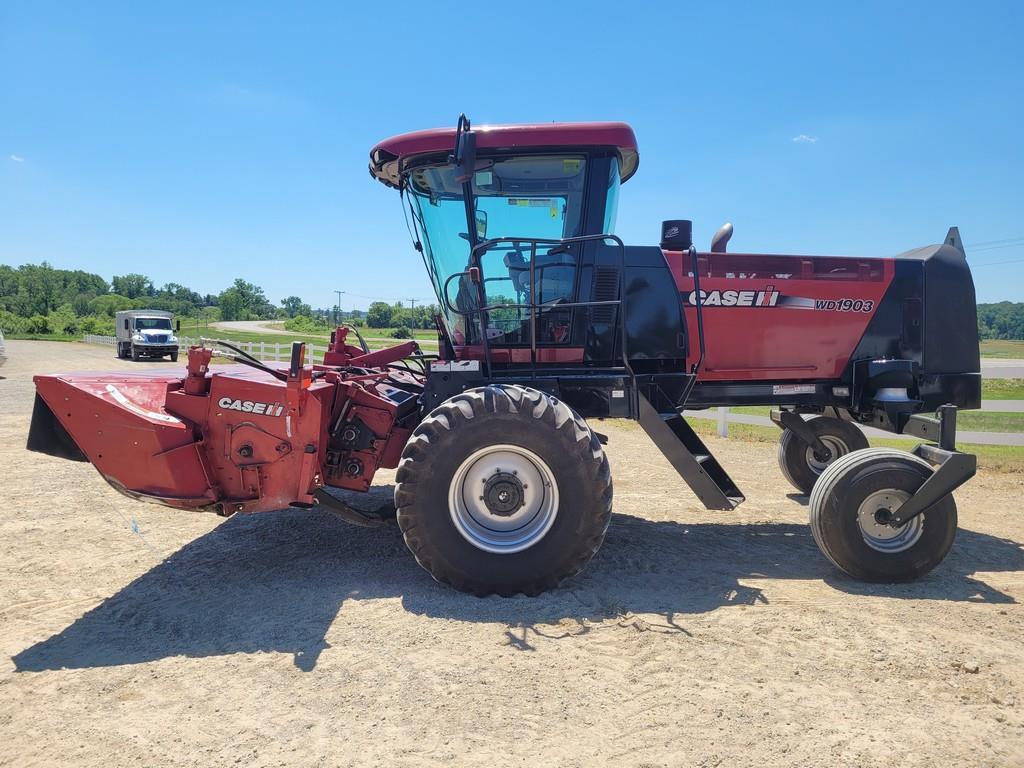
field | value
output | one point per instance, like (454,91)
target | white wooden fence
(279,352)
(276,351)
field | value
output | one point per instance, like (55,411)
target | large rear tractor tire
(503,489)
(848,511)
(797,460)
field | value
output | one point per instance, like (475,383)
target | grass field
(41,337)
(1002,389)
(380,337)
(376,338)
(1002,348)
(979,421)
(998,458)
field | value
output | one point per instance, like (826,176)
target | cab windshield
(152,324)
(534,196)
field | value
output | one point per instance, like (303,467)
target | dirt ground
(694,638)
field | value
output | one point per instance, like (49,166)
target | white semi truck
(146,333)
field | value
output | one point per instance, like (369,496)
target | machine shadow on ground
(276,581)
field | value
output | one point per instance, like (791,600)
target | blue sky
(199,144)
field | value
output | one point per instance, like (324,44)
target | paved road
(963,436)
(250,326)
(1003,406)
(1006,368)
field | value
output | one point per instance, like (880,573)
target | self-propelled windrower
(549,320)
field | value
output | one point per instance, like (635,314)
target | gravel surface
(694,638)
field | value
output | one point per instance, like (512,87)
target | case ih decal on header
(548,319)
(248,406)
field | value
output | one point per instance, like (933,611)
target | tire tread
(502,399)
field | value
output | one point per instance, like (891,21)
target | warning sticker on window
(533,202)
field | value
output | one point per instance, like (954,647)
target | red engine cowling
(770,317)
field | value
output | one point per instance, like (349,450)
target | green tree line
(1004,320)
(400,318)
(383,315)
(37,299)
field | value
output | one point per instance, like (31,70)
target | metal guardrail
(276,351)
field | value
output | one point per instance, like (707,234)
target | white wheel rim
(836,446)
(878,534)
(503,499)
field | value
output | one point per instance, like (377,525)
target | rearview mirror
(177,325)
(481,224)
(465,151)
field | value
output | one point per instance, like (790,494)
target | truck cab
(146,333)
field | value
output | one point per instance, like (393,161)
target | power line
(994,242)
(387,298)
(996,247)
(997,263)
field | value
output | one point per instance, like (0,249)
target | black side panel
(893,332)
(928,315)
(47,435)
(950,314)
(655,324)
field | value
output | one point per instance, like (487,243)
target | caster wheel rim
(877,533)
(835,445)
(503,499)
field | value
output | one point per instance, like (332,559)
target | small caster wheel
(850,509)
(797,460)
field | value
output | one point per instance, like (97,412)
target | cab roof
(389,155)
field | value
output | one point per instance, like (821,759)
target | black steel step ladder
(689,455)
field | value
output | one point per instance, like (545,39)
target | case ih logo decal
(251,406)
(770,297)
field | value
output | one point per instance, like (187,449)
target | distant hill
(1004,320)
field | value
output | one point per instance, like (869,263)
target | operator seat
(518,271)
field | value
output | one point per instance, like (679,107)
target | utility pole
(413,302)
(337,317)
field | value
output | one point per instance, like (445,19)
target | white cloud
(803,138)
(17,158)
